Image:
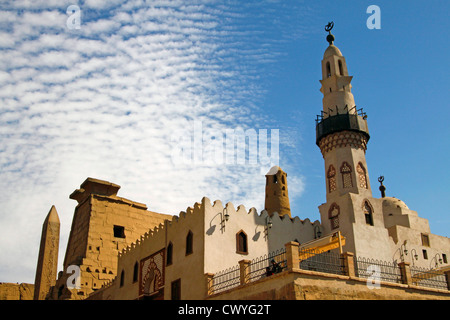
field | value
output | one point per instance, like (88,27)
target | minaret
(47,265)
(342,136)
(341,131)
(277,197)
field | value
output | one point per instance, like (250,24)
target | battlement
(215,210)
(278,222)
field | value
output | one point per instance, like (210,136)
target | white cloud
(104,102)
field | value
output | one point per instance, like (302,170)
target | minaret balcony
(351,120)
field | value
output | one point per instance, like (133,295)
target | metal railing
(345,110)
(225,279)
(328,262)
(345,264)
(267,265)
(377,269)
(428,278)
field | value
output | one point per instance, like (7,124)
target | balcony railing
(351,120)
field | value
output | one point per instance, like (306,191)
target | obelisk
(47,265)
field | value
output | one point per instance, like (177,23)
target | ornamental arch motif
(362,175)
(331,177)
(333,215)
(346,172)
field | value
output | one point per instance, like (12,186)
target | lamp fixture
(268,225)
(226,215)
(416,256)
(317,232)
(404,251)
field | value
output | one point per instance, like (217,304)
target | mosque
(363,247)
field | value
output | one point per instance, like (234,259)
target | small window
(425,240)
(135,272)
(241,242)
(346,171)
(189,242)
(169,254)
(328,70)
(283,181)
(176,290)
(333,215)
(275,179)
(425,254)
(368,213)
(122,278)
(331,176)
(444,258)
(362,176)
(341,70)
(119,232)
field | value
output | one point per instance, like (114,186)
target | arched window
(333,215)
(189,242)
(362,175)
(241,242)
(135,272)
(331,176)
(122,278)
(169,254)
(341,69)
(368,213)
(283,181)
(346,172)
(328,70)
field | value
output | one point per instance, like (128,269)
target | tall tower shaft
(341,129)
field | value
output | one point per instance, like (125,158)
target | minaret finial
(328,28)
(382,187)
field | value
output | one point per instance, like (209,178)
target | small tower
(47,265)
(277,197)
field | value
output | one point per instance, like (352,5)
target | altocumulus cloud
(104,101)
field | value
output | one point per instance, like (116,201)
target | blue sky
(105,100)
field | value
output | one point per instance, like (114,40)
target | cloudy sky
(115,92)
